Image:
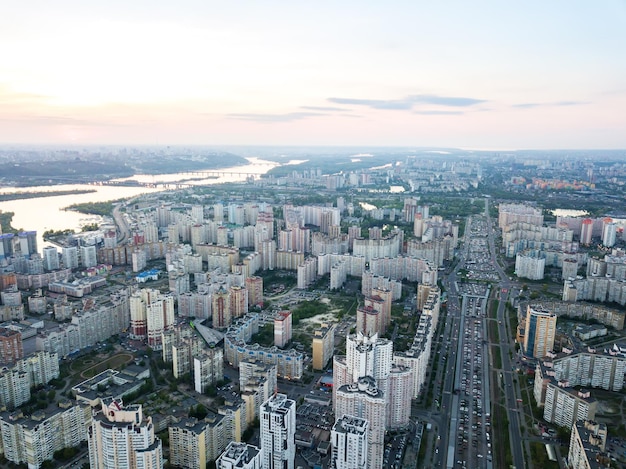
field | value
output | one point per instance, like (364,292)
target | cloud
(409,102)
(323,108)
(9,96)
(556,103)
(452,101)
(61,120)
(374,103)
(439,113)
(287,117)
(527,105)
(569,103)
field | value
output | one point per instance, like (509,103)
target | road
(511,387)
(120,222)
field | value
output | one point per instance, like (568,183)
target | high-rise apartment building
(278,430)
(365,356)
(587,446)
(539,332)
(88,256)
(565,406)
(14,388)
(28,242)
(238,301)
(151,314)
(122,436)
(208,368)
(282,328)
(50,258)
(365,400)
(511,213)
(586,231)
(348,439)
(323,345)
(187,442)
(240,456)
(257,383)
(220,309)
(6,245)
(69,256)
(398,397)
(160,317)
(11,349)
(609,232)
(34,439)
(254,285)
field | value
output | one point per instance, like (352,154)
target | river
(46,213)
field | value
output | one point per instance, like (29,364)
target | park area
(89,366)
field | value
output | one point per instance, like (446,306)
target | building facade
(278,430)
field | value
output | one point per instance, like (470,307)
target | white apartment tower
(539,332)
(365,400)
(123,437)
(69,256)
(50,258)
(160,318)
(208,368)
(240,456)
(278,429)
(151,314)
(88,257)
(349,443)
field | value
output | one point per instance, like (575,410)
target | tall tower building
(11,349)
(365,356)
(609,232)
(240,456)
(220,308)
(349,443)
(28,242)
(50,258)
(586,230)
(323,345)
(218,212)
(6,245)
(398,397)
(254,285)
(197,213)
(88,256)
(238,301)
(278,430)
(282,328)
(160,318)
(123,437)
(365,400)
(208,368)
(69,256)
(539,333)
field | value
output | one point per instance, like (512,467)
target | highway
(464,418)
(511,388)
(120,221)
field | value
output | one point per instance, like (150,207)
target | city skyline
(478,75)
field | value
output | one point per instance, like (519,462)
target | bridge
(217,174)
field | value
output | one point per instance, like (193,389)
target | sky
(480,74)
